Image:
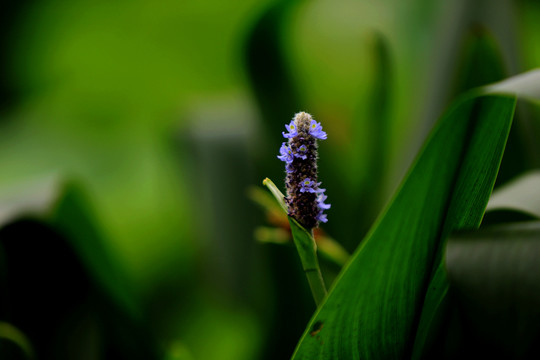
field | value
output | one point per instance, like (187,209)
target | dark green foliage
(480,61)
(495,282)
(270,72)
(60,288)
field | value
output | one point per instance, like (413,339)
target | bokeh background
(132,131)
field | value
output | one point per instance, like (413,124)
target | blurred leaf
(72,216)
(523,148)
(278,195)
(372,310)
(379,115)
(521,195)
(495,277)
(481,61)
(523,86)
(59,277)
(331,250)
(370,156)
(270,73)
(11,333)
(265,234)
(64,206)
(178,351)
(214,330)
(266,63)
(30,197)
(435,312)
(274,210)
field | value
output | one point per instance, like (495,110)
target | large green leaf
(373,310)
(395,282)
(437,304)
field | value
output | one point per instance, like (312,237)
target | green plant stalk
(306,247)
(307,250)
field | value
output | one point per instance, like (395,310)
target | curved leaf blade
(437,306)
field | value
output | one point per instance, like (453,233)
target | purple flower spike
(292,131)
(315,130)
(305,198)
(286,154)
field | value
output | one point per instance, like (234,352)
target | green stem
(316,284)
(307,250)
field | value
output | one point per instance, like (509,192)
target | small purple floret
(322,217)
(307,185)
(320,201)
(315,130)
(289,168)
(301,152)
(292,131)
(286,154)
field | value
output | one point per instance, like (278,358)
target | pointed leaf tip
(276,192)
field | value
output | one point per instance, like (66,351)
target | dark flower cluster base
(305,199)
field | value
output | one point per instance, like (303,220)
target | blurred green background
(150,120)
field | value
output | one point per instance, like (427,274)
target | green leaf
(278,195)
(331,250)
(73,216)
(495,279)
(523,86)
(367,160)
(57,275)
(11,333)
(64,206)
(480,61)
(435,311)
(374,307)
(269,71)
